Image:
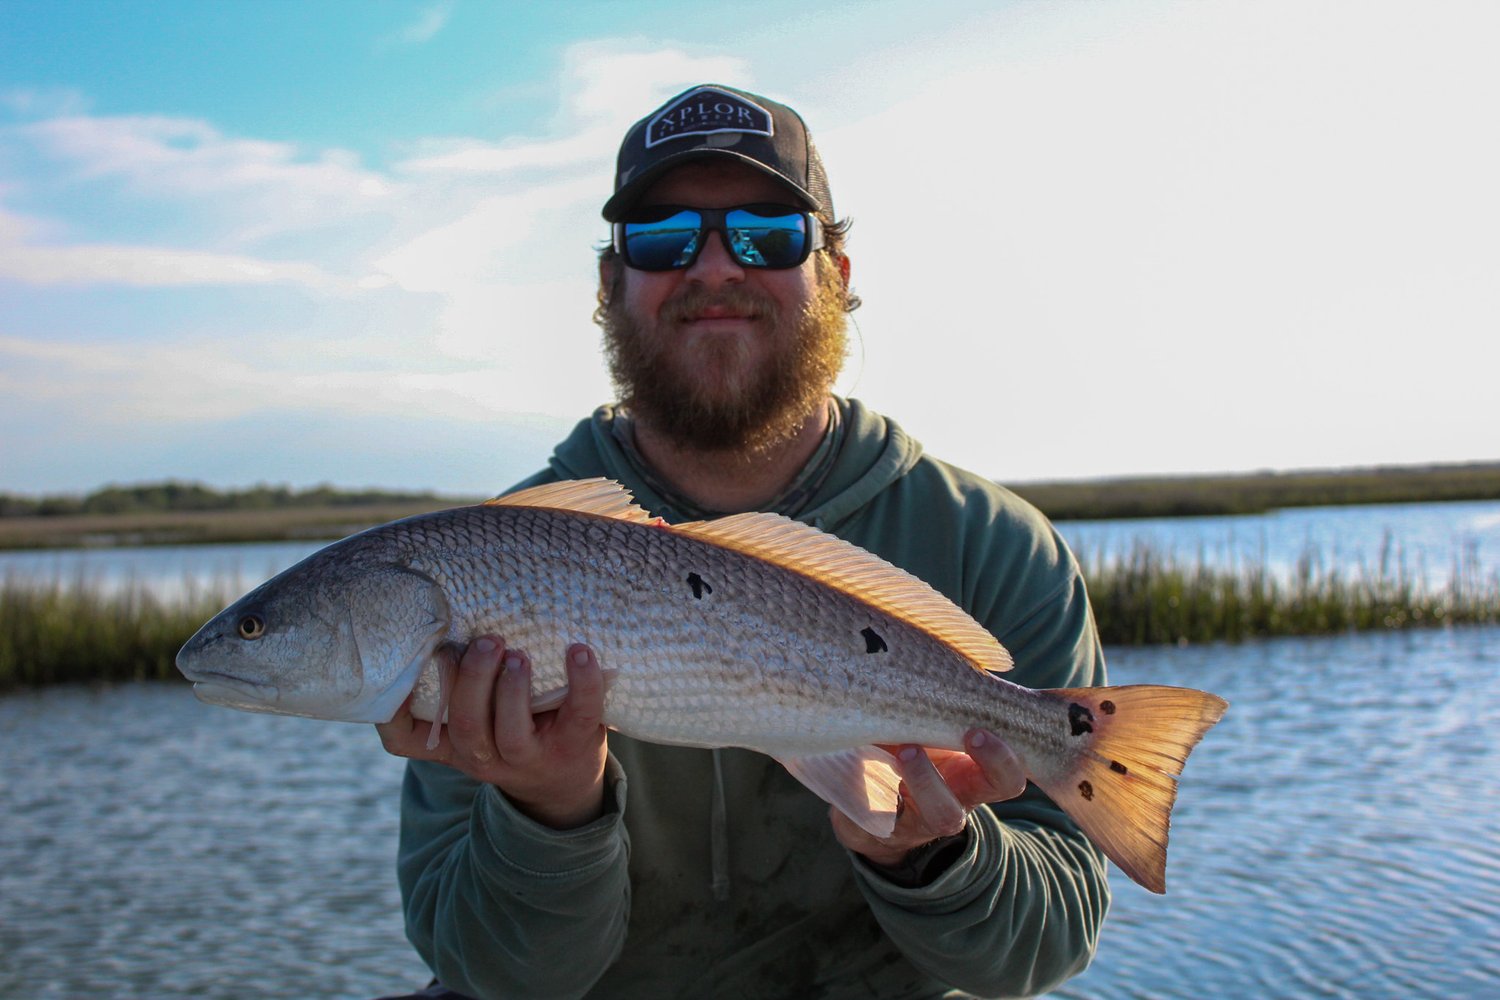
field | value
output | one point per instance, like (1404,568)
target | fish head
(329,638)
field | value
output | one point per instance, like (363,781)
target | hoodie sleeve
(498,905)
(1021,909)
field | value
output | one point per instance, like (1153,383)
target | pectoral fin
(862,783)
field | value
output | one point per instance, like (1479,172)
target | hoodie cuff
(973,867)
(528,850)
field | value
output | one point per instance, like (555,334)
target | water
(1423,539)
(153,847)
(1336,835)
(169,571)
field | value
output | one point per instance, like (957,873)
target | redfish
(750,631)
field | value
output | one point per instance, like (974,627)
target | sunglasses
(670,237)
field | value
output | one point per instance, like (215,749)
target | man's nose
(715,264)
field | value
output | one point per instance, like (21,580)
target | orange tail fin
(1121,785)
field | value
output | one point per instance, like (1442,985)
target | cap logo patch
(707,111)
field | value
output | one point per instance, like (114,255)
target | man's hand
(938,788)
(551,766)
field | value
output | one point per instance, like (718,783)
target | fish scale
(751,631)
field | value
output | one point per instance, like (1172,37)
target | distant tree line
(178,496)
(1156,496)
(1258,492)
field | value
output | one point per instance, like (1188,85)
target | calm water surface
(1337,835)
(1423,540)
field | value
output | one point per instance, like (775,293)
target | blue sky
(352,242)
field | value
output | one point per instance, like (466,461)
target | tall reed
(1147,597)
(55,632)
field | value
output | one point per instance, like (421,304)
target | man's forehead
(705,182)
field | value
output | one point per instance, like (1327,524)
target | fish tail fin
(1121,786)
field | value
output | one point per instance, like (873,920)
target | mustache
(696,301)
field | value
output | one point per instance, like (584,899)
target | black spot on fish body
(1086,790)
(1080,719)
(1107,707)
(1117,767)
(873,642)
(699,586)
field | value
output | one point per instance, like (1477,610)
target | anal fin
(862,783)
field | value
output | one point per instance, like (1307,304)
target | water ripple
(1335,836)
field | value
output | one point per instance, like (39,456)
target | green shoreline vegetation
(60,632)
(174,513)
(56,632)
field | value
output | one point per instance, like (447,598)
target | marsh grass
(1147,597)
(79,631)
(58,632)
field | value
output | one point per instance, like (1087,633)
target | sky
(354,242)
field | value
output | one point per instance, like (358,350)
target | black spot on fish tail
(1107,707)
(699,586)
(1086,790)
(873,642)
(1117,767)
(1080,719)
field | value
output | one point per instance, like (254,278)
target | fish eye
(251,627)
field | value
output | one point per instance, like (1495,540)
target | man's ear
(609,274)
(844,269)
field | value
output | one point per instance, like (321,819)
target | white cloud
(44,102)
(31,263)
(606,85)
(424,28)
(250,187)
(150,267)
(1091,247)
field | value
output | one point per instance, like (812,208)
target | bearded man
(543,856)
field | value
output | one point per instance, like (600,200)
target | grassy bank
(1147,598)
(174,513)
(202,527)
(1256,493)
(57,633)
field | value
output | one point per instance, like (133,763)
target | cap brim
(625,198)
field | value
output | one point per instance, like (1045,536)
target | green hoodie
(714,873)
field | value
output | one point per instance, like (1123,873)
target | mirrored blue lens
(755,239)
(663,244)
(766,241)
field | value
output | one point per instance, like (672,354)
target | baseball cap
(717,121)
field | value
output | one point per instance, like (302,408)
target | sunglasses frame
(714,219)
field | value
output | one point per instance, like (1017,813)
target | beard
(716,400)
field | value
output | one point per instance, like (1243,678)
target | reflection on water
(1335,836)
(169,571)
(1422,542)
(156,847)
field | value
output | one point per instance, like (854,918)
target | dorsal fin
(830,560)
(799,548)
(599,496)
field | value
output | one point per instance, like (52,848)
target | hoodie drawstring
(718,835)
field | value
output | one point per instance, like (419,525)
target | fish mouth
(223,689)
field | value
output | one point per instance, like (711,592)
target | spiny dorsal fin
(829,559)
(602,497)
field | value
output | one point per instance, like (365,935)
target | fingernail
(485,645)
(976,739)
(512,662)
(581,657)
(908,754)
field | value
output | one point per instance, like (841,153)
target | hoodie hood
(875,453)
